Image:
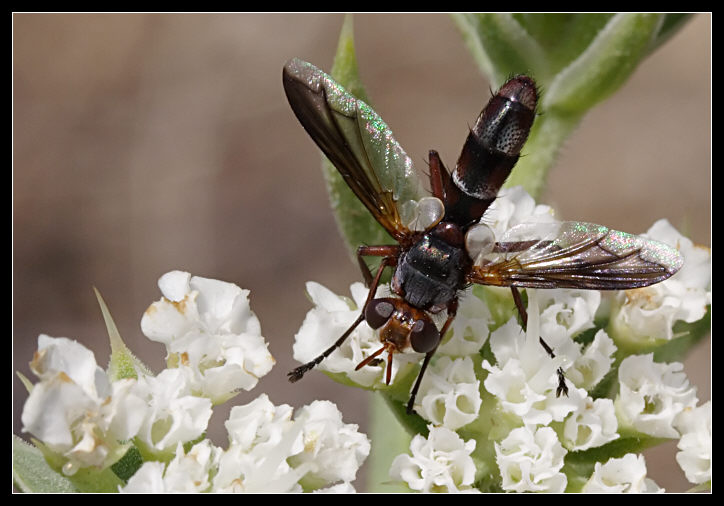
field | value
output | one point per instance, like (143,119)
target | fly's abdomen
(492,148)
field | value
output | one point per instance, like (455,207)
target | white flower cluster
(78,412)
(522,380)
(75,409)
(439,463)
(624,475)
(215,347)
(530,460)
(694,425)
(210,334)
(648,314)
(269,451)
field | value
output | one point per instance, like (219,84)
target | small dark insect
(441,244)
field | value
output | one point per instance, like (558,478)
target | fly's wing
(362,148)
(575,255)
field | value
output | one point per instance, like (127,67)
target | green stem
(389,439)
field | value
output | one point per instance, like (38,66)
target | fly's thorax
(431,272)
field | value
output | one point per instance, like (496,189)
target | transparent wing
(575,255)
(361,146)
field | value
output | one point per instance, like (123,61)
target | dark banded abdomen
(492,149)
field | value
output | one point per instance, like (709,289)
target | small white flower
(571,311)
(148,479)
(590,367)
(271,452)
(624,475)
(335,450)
(469,330)
(256,460)
(439,463)
(74,408)
(530,461)
(172,413)
(259,425)
(524,380)
(648,314)
(449,393)
(186,473)
(340,488)
(694,424)
(56,355)
(593,424)
(515,206)
(328,320)
(652,395)
(210,333)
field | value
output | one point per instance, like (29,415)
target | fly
(442,246)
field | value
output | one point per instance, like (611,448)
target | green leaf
(615,449)
(25,381)
(689,336)
(410,424)
(579,466)
(355,222)
(563,36)
(88,479)
(128,464)
(502,46)
(123,363)
(672,24)
(31,473)
(604,65)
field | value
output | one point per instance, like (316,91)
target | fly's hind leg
(562,387)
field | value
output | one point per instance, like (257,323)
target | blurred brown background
(146,143)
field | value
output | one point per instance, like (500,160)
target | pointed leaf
(123,363)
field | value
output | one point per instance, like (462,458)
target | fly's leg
(452,309)
(562,387)
(390,251)
(300,371)
(438,175)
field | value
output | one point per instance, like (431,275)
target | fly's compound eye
(377,312)
(424,336)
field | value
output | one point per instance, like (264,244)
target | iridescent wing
(574,255)
(361,146)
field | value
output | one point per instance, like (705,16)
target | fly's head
(402,327)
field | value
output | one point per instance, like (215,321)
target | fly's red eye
(377,312)
(424,336)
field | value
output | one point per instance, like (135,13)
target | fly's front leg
(300,371)
(562,387)
(452,309)
(389,250)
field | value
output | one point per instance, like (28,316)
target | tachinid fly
(442,246)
